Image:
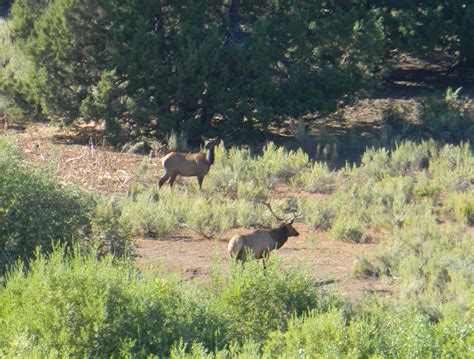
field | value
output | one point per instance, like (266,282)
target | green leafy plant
(348,229)
(73,305)
(461,206)
(317,179)
(38,210)
(255,302)
(445,117)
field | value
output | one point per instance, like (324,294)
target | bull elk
(261,242)
(188,164)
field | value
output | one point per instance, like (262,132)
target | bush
(410,157)
(278,164)
(154,217)
(255,302)
(157,214)
(319,335)
(461,206)
(406,158)
(445,118)
(37,209)
(348,229)
(110,232)
(237,172)
(317,214)
(73,306)
(318,179)
(362,267)
(376,331)
(453,168)
(432,261)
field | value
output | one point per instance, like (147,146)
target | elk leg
(241,255)
(163,180)
(200,179)
(171,181)
(264,258)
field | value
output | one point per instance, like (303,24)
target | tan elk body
(188,164)
(261,242)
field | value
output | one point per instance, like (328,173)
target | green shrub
(427,187)
(374,163)
(317,179)
(73,306)
(238,173)
(278,164)
(445,117)
(157,214)
(394,116)
(251,191)
(320,335)
(362,267)
(461,206)
(348,229)
(177,142)
(317,214)
(453,168)
(110,232)
(210,217)
(407,158)
(375,331)
(432,260)
(255,302)
(151,216)
(68,305)
(230,167)
(40,210)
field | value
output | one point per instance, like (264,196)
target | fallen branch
(75,158)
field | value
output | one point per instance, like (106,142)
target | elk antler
(271,210)
(295,215)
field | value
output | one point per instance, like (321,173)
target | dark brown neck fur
(210,155)
(280,235)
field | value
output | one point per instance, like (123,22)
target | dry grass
(94,168)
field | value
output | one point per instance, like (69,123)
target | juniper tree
(146,67)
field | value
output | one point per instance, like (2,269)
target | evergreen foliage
(147,67)
(233,67)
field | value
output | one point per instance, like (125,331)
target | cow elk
(188,164)
(260,243)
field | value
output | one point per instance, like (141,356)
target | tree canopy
(225,66)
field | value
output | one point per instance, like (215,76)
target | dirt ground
(326,260)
